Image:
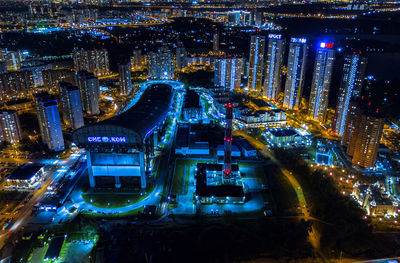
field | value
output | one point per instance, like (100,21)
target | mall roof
(148,112)
(25,172)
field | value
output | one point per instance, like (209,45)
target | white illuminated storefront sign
(105,139)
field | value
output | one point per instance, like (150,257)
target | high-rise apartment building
(367,137)
(13,59)
(88,85)
(160,64)
(273,66)
(138,60)
(71,105)
(15,84)
(353,75)
(95,61)
(256,63)
(321,81)
(51,78)
(10,127)
(49,121)
(228,72)
(296,69)
(125,79)
(181,57)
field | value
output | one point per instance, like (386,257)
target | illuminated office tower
(296,69)
(71,105)
(125,80)
(272,81)
(256,63)
(49,121)
(216,42)
(228,72)
(321,82)
(10,127)
(160,64)
(353,75)
(95,61)
(138,60)
(181,57)
(366,137)
(88,85)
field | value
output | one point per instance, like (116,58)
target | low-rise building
(25,176)
(246,148)
(285,137)
(187,144)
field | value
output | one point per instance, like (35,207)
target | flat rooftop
(25,172)
(192,99)
(202,189)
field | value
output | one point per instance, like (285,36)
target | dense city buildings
(51,77)
(10,127)
(321,82)
(94,61)
(160,64)
(273,66)
(296,69)
(16,84)
(89,88)
(125,80)
(256,63)
(36,67)
(49,121)
(228,72)
(13,59)
(71,105)
(352,80)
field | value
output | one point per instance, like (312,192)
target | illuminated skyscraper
(71,105)
(272,81)
(366,137)
(256,63)
(49,121)
(95,61)
(181,57)
(160,64)
(10,127)
(296,69)
(353,75)
(321,81)
(88,85)
(350,124)
(125,80)
(228,72)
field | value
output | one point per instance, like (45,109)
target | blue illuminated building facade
(120,150)
(273,65)
(321,82)
(296,69)
(256,63)
(49,121)
(160,65)
(353,75)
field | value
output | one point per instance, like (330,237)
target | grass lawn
(125,214)
(113,199)
(181,173)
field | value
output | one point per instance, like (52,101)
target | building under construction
(221,183)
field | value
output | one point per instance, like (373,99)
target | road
(23,216)
(313,236)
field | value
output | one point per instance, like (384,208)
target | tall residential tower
(256,63)
(321,82)
(296,69)
(273,66)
